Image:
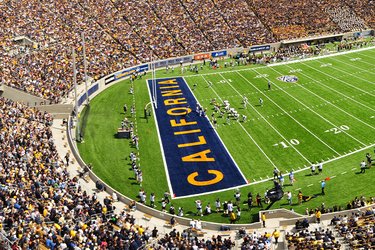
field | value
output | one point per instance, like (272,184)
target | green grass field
(327,115)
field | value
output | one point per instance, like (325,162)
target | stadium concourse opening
(195,158)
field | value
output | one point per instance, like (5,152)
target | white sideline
(321,57)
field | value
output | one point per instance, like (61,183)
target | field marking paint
(165,165)
(291,117)
(323,56)
(332,89)
(291,86)
(355,63)
(308,168)
(287,62)
(268,122)
(333,77)
(212,127)
(351,65)
(333,177)
(273,164)
(331,103)
(310,185)
(367,57)
(322,117)
(354,168)
(344,172)
(160,144)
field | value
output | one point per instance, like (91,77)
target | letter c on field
(218,177)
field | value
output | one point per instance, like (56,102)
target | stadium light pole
(153,82)
(78,132)
(75,82)
(85,66)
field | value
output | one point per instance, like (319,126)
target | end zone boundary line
(160,143)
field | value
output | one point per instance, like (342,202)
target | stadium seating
(41,204)
(120,34)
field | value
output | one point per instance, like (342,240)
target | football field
(313,111)
(287,116)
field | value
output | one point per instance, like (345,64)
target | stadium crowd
(292,19)
(120,34)
(345,18)
(357,229)
(41,204)
(365,9)
(318,239)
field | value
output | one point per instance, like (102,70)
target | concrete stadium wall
(20,96)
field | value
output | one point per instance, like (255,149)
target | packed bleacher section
(317,239)
(343,16)
(365,9)
(291,19)
(189,240)
(44,207)
(247,27)
(120,34)
(41,204)
(357,229)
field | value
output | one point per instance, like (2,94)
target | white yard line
(361,61)
(370,57)
(290,144)
(307,168)
(290,116)
(326,101)
(213,129)
(353,66)
(321,57)
(334,90)
(356,75)
(261,150)
(348,84)
(287,62)
(316,113)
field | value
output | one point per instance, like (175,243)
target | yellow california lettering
(182,122)
(178,111)
(185,132)
(198,157)
(170,87)
(175,101)
(172,92)
(170,81)
(201,141)
(218,177)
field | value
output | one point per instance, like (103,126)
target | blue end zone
(196,159)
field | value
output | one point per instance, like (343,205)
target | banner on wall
(202,56)
(125,73)
(260,48)
(173,61)
(219,53)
